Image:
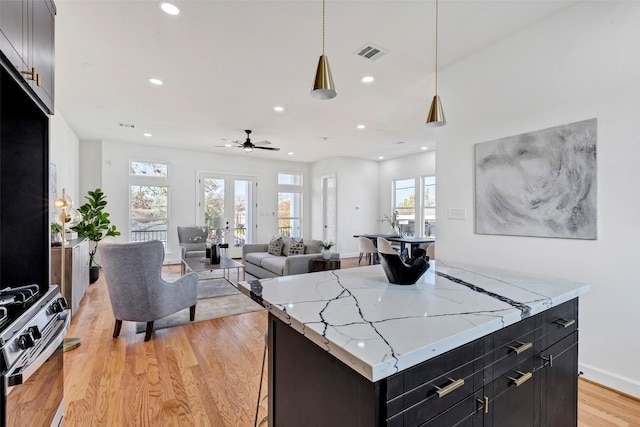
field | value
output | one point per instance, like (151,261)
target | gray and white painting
(540,183)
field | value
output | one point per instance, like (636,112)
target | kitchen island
(463,345)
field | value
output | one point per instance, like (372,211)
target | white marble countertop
(378,328)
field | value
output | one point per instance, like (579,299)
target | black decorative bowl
(400,273)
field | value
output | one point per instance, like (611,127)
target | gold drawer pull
(522,347)
(564,323)
(548,359)
(33,74)
(523,378)
(442,392)
(485,404)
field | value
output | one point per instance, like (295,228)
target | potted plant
(393,223)
(95,226)
(56,237)
(326,251)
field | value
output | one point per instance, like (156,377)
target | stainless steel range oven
(31,363)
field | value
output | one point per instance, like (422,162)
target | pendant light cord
(323,27)
(436,80)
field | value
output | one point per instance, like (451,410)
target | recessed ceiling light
(290,153)
(380,157)
(169,8)
(278,108)
(367,79)
(155,81)
(148,135)
(361,126)
(424,148)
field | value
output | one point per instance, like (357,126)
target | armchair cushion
(192,240)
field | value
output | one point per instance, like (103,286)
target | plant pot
(326,253)
(393,232)
(94,273)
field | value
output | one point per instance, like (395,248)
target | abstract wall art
(540,183)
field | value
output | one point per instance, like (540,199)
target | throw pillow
(296,246)
(275,246)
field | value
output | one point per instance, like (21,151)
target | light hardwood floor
(206,373)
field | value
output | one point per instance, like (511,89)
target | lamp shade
(436,114)
(219,222)
(323,87)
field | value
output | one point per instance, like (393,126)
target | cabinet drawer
(425,390)
(561,322)
(511,346)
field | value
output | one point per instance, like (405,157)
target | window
(149,213)
(429,206)
(149,169)
(290,204)
(405,205)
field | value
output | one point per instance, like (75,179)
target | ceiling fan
(248,146)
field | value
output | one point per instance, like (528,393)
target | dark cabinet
(27,45)
(76,271)
(523,375)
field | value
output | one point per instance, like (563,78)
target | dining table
(412,241)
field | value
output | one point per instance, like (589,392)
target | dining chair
(384,246)
(366,248)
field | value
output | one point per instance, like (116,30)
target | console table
(466,344)
(76,270)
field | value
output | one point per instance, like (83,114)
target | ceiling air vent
(371,52)
(127,125)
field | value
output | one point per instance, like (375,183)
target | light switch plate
(457,213)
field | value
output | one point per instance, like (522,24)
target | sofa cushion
(256,257)
(275,246)
(275,264)
(313,247)
(295,246)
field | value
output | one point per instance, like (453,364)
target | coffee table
(202,265)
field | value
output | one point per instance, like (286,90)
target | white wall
(184,168)
(357,200)
(64,153)
(580,64)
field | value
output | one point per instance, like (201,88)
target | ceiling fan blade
(268,148)
(265,142)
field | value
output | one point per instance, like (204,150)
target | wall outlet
(457,213)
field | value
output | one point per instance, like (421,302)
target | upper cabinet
(27,42)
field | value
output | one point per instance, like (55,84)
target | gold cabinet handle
(564,323)
(38,81)
(455,384)
(548,359)
(485,404)
(33,74)
(522,347)
(524,377)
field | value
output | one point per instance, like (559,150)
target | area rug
(216,298)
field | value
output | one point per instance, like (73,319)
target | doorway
(329,215)
(227,206)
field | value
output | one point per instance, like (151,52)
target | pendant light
(436,115)
(323,87)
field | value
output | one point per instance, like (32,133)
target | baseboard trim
(610,380)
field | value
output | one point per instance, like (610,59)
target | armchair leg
(116,329)
(192,313)
(147,335)
(360,258)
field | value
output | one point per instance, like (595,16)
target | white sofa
(259,263)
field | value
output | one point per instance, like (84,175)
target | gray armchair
(192,241)
(136,289)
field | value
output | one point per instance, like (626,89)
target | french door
(227,205)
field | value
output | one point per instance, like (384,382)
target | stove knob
(56,307)
(25,341)
(34,332)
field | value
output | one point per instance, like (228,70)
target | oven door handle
(13,378)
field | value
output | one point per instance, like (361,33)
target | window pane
(149,169)
(405,200)
(289,213)
(429,205)
(213,201)
(149,213)
(289,179)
